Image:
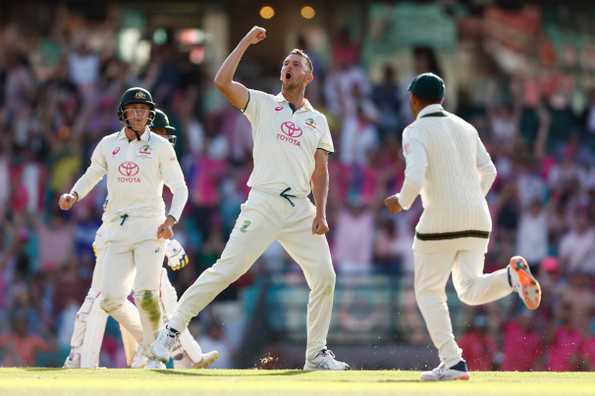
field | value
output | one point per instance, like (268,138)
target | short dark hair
(302,53)
(428,87)
(427,102)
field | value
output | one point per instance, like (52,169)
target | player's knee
(325,277)
(143,298)
(148,301)
(226,274)
(429,296)
(111,304)
(466,296)
(331,277)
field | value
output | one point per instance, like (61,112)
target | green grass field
(42,381)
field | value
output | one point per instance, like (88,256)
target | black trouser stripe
(453,235)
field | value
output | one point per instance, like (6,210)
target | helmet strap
(137,133)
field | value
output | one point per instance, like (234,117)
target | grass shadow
(287,373)
(213,373)
(38,369)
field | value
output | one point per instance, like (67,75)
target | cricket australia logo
(310,122)
(129,171)
(140,95)
(145,150)
(290,133)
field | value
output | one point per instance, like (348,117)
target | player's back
(452,195)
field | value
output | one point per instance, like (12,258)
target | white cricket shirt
(284,143)
(447,164)
(136,172)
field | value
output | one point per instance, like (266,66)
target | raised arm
(235,92)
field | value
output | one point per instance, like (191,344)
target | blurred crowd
(59,88)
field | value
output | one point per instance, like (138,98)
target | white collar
(145,136)
(307,106)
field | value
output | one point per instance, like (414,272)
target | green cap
(161,121)
(427,86)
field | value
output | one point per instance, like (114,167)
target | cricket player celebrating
(137,163)
(447,164)
(291,145)
(89,326)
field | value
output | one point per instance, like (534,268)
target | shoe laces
(327,352)
(169,338)
(440,369)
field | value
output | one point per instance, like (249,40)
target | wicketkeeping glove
(176,256)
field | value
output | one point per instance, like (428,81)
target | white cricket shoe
(163,345)
(154,364)
(325,360)
(140,359)
(73,360)
(442,373)
(207,359)
(524,283)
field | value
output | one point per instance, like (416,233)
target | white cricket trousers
(264,218)
(89,325)
(134,252)
(473,287)
(188,352)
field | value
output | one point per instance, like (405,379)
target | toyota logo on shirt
(290,129)
(128,169)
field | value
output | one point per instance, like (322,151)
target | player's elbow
(415,177)
(179,189)
(493,171)
(488,171)
(222,84)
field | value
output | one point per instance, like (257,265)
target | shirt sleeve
(254,107)
(326,140)
(416,160)
(485,166)
(173,177)
(96,170)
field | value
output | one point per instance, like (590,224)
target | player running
(449,166)
(291,145)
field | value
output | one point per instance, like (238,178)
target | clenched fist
(255,35)
(165,230)
(319,225)
(67,200)
(392,204)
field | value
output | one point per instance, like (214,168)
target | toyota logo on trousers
(290,129)
(128,169)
